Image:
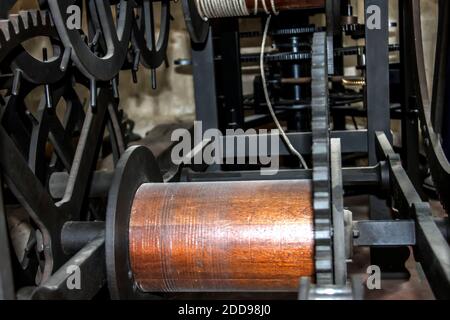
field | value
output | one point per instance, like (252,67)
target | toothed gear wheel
(321,162)
(54,135)
(24,26)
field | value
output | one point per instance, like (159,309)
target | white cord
(269,103)
(274,8)
(255,12)
(209,9)
(265,6)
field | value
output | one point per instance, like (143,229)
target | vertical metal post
(333,16)
(377,98)
(377,70)
(410,121)
(205,84)
(377,88)
(334,10)
(231,74)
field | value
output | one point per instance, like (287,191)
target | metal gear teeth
(321,162)
(8,30)
(22,26)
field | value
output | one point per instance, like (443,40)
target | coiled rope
(210,9)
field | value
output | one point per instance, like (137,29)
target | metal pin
(115,87)
(96,38)
(16,82)
(44,54)
(48,95)
(135,67)
(134,75)
(153,79)
(65,59)
(137,59)
(93,95)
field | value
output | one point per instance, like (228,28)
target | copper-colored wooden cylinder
(222,237)
(285,5)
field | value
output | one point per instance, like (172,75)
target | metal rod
(75,234)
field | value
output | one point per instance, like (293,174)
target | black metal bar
(377,85)
(370,177)
(231,77)
(431,249)
(101,182)
(377,72)
(352,142)
(377,101)
(410,121)
(384,233)
(77,234)
(6,275)
(205,83)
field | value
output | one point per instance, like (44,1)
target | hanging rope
(235,8)
(288,143)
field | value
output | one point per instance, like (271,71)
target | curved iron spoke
(85,158)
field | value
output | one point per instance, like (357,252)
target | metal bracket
(384,233)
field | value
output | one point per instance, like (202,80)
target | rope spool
(210,9)
(222,237)
(218,8)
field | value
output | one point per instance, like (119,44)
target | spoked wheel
(56,135)
(53,147)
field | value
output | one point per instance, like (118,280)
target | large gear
(36,144)
(22,27)
(321,162)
